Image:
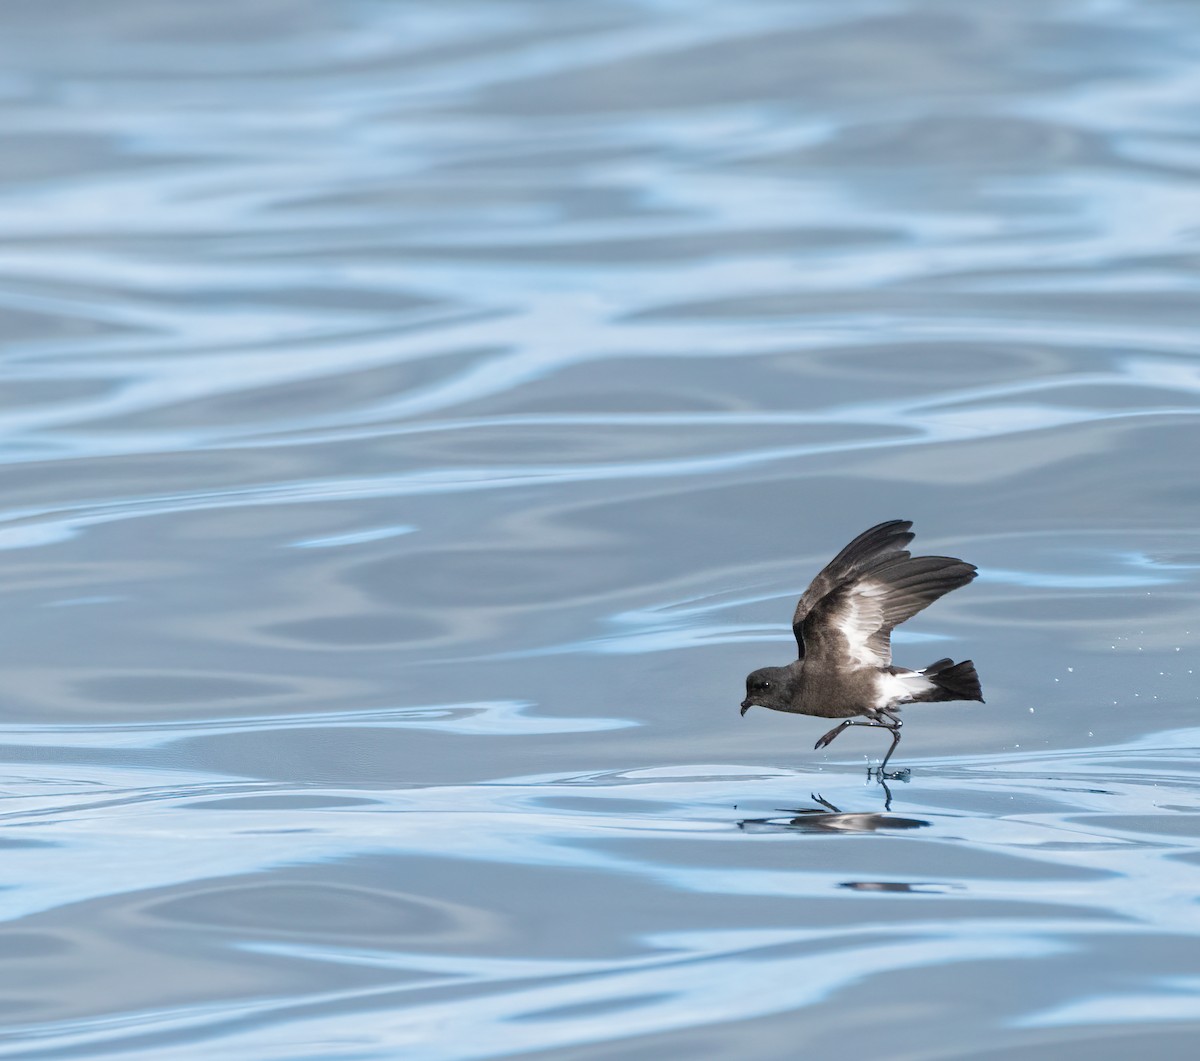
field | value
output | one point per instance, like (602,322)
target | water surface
(415,421)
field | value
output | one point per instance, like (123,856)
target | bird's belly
(841,695)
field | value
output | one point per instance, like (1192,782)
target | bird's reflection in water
(827,818)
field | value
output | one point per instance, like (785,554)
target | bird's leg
(892,726)
(899,775)
(850,722)
(832,733)
(895,740)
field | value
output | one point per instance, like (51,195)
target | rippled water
(416,419)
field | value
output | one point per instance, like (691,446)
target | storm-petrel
(843,626)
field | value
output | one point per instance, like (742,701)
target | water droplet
(1070,670)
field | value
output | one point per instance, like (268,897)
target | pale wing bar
(855,621)
(888,540)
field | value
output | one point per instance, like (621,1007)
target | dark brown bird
(843,626)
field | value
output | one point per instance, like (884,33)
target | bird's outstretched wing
(853,623)
(883,540)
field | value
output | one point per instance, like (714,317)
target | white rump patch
(901,688)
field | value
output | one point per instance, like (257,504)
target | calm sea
(416,419)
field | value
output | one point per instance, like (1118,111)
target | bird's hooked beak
(746,705)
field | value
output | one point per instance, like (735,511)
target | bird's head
(768,687)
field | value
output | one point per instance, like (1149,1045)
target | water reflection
(830,819)
(812,821)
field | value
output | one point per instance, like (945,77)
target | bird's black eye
(764,685)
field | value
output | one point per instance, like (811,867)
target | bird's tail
(951,681)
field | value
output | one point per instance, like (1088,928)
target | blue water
(415,420)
